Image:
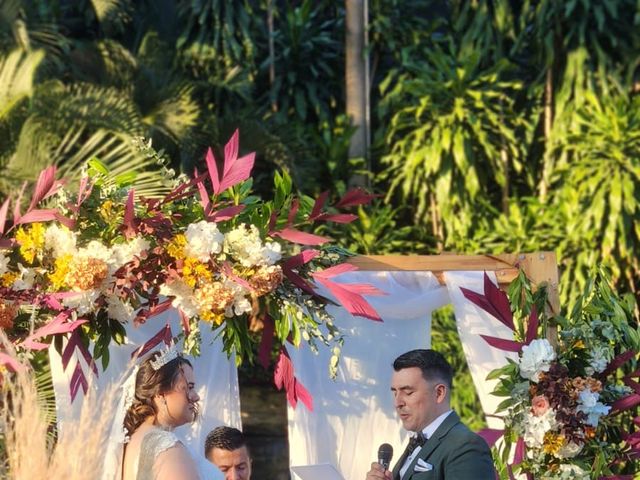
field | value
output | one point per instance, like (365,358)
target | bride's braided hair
(149,383)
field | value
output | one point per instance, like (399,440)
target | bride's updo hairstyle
(149,383)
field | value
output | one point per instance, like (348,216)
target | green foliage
(445,339)
(451,127)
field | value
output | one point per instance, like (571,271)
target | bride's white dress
(157,441)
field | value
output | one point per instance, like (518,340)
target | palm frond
(16,78)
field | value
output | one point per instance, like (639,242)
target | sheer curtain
(216,376)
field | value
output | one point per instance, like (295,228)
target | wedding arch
(353,415)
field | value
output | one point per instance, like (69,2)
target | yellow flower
(579,344)
(552,443)
(176,247)
(212,299)
(59,274)
(106,210)
(31,240)
(194,272)
(8,278)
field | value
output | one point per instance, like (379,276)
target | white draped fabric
(216,376)
(354,415)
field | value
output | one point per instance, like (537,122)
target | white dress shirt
(428,431)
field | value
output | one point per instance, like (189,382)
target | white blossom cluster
(536,358)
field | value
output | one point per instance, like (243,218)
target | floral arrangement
(569,404)
(97,260)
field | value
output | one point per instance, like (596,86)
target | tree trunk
(356,83)
(272,54)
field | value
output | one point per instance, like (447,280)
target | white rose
(203,240)
(536,358)
(536,427)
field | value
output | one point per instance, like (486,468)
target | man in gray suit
(441,446)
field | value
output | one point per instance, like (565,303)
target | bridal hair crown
(166,355)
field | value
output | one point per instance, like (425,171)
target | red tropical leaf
(303,395)
(295,204)
(337,218)
(163,335)
(318,205)
(351,299)
(618,361)
(66,221)
(283,372)
(3,214)
(228,271)
(493,301)
(298,281)
(266,342)
(38,216)
(56,326)
(302,238)
(335,270)
(491,435)
(84,190)
(532,327)
(355,196)
(77,380)
(9,362)
(210,160)
(625,403)
(301,258)
(238,172)
(129,215)
(204,195)
(225,213)
(503,344)
(45,186)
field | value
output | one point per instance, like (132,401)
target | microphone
(385,453)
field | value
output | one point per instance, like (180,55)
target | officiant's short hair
(226,438)
(432,364)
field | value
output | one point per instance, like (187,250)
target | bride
(165,398)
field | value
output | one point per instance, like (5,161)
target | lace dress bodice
(157,441)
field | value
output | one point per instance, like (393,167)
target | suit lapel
(433,442)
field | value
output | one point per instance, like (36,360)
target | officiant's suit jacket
(454,452)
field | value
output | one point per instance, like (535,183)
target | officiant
(440,443)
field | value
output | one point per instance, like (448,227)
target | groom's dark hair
(432,364)
(226,438)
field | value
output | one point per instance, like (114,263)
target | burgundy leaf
(9,362)
(238,172)
(317,206)
(129,215)
(84,190)
(272,222)
(228,271)
(16,205)
(44,186)
(302,238)
(75,344)
(355,196)
(335,270)
(503,344)
(303,395)
(225,213)
(292,213)
(532,327)
(301,258)
(56,326)
(283,372)
(618,361)
(213,171)
(204,195)
(7,243)
(231,151)
(66,221)
(484,303)
(77,380)
(266,342)
(337,218)
(3,214)
(38,216)
(298,281)
(182,190)
(164,334)
(350,299)
(491,435)
(625,403)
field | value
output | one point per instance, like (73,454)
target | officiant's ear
(441,392)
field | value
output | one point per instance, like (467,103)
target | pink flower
(539,405)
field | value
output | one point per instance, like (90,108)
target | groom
(441,446)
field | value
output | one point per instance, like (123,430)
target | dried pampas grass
(31,453)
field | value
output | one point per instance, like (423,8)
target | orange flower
(7,314)
(266,279)
(213,299)
(86,273)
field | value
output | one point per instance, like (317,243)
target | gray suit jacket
(454,452)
